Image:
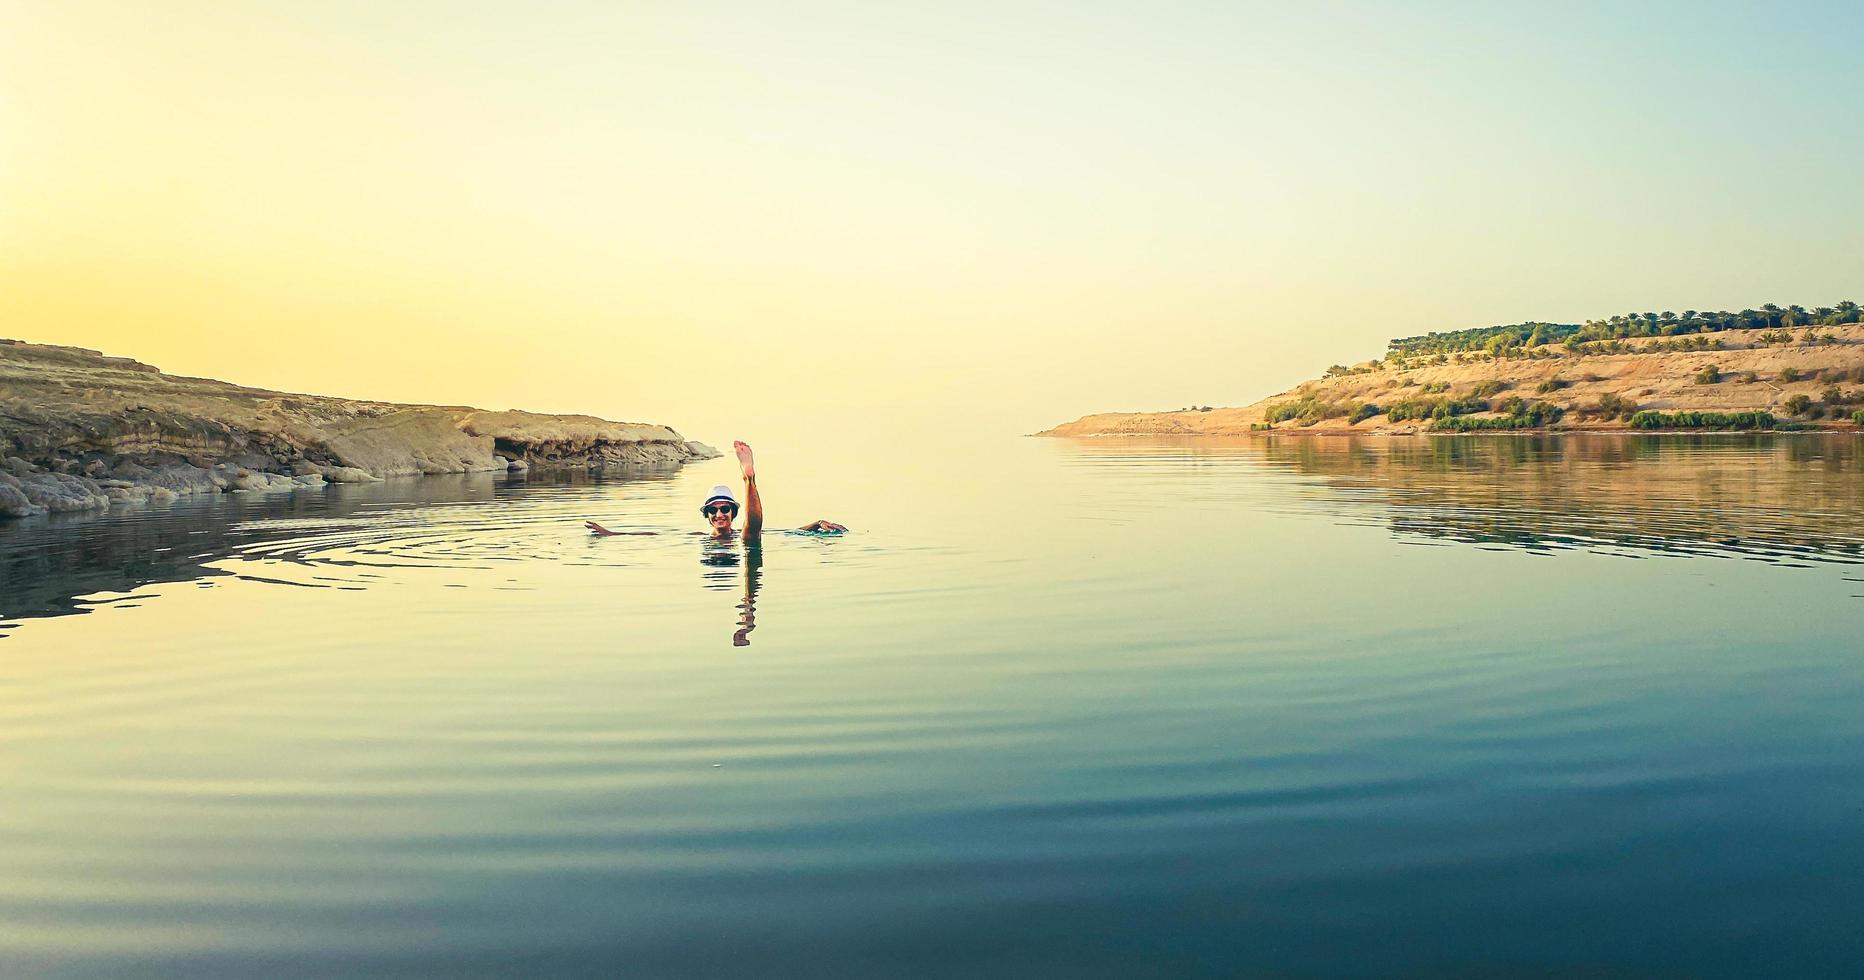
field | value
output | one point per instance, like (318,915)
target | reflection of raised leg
(747,610)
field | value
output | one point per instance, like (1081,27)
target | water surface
(1099,708)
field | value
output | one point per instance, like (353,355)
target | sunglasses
(720,509)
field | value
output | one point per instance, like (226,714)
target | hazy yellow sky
(719,215)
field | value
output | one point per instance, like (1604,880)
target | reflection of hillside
(47,563)
(1766,497)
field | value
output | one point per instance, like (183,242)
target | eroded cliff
(81,430)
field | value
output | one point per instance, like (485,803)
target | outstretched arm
(602,532)
(753,507)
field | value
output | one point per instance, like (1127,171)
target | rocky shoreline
(80,430)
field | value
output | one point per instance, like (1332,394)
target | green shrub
(1789,375)
(1797,405)
(1611,406)
(1704,420)
(1521,415)
(1463,406)
(1484,389)
(1540,413)
(1709,375)
(1436,387)
(1857,418)
(1434,408)
(1365,411)
(1467,423)
(1551,385)
(1308,411)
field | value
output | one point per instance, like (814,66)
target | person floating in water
(721,509)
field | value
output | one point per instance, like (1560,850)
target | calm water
(1100,708)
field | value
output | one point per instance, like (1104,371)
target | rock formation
(82,431)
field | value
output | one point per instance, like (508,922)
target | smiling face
(719,516)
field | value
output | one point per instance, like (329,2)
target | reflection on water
(1775,498)
(1765,497)
(1091,709)
(747,610)
(721,560)
(721,563)
(341,536)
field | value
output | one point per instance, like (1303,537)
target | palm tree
(1773,314)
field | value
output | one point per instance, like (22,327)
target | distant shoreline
(1623,430)
(1812,380)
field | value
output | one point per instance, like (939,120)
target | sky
(733,217)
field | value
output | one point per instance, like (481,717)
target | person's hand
(744,459)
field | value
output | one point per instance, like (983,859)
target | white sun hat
(720,492)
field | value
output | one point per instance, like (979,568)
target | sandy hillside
(1656,381)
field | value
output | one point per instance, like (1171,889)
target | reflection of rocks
(47,564)
(1740,496)
(84,431)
